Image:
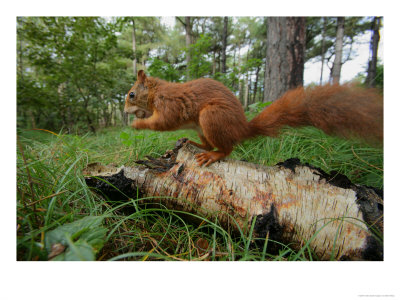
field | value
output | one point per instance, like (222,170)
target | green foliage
(259,106)
(251,65)
(129,138)
(315,27)
(200,64)
(70,72)
(226,79)
(82,239)
(163,70)
(362,78)
(379,76)
(148,35)
(354,26)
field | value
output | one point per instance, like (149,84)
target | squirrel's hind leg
(205,145)
(216,135)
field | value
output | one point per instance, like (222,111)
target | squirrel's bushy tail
(343,110)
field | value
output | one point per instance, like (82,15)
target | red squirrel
(211,109)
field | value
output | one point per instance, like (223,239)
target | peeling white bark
(293,204)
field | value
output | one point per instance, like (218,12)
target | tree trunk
(234,58)
(323,49)
(256,85)
(249,89)
(224,43)
(112,114)
(374,52)
(246,93)
(219,61)
(61,106)
(290,203)
(106,112)
(296,28)
(134,48)
(90,123)
(214,65)
(285,55)
(337,63)
(188,29)
(239,81)
(87,114)
(124,116)
(20,56)
(235,85)
(32,119)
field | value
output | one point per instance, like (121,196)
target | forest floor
(51,192)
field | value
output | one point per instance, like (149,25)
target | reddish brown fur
(214,112)
(344,110)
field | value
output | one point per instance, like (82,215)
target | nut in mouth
(138,112)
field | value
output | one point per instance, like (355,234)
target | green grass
(51,192)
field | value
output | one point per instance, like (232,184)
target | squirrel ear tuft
(141,76)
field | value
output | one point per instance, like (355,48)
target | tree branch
(180,20)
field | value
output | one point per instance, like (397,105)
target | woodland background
(73,72)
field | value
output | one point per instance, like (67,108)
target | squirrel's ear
(141,76)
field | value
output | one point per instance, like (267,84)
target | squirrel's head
(137,101)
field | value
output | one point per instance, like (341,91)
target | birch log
(292,203)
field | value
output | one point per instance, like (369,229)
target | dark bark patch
(180,169)
(290,164)
(373,249)
(157,164)
(269,224)
(334,178)
(180,174)
(115,187)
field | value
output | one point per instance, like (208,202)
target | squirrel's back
(198,90)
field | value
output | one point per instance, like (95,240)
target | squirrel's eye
(131,95)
